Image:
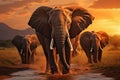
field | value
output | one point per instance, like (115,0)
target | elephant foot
(89,62)
(54,71)
(66,71)
(99,61)
(95,61)
(57,73)
(47,72)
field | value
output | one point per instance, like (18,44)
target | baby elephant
(26,47)
(93,43)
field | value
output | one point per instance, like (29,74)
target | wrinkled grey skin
(94,41)
(26,50)
(59,24)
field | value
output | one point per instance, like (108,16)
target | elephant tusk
(70,44)
(51,44)
(30,51)
(21,51)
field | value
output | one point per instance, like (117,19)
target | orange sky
(16,13)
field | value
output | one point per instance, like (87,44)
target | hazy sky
(16,13)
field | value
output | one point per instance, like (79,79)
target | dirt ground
(6,71)
(109,72)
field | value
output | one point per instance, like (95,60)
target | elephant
(55,26)
(26,47)
(93,43)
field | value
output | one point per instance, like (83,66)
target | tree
(115,41)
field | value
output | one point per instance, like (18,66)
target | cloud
(10,5)
(106,20)
(106,4)
(7,6)
(16,13)
(83,3)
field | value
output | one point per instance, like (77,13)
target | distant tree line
(6,43)
(115,41)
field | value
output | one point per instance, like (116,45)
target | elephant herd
(55,28)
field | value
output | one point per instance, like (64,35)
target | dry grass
(10,56)
(109,58)
(110,65)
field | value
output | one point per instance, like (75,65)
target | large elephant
(55,27)
(93,43)
(26,47)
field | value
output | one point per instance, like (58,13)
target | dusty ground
(6,71)
(110,72)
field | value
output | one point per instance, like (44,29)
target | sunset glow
(16,13)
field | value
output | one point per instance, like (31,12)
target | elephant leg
(53,64)
(59,64)
(29,57)
(26,60)
(26,56)
(89,55)
(95,54)
(33,56)
(50,58)
(95,57)
(50,61)
(99,55)
(22,58)
(68,53)
(68,56)
(43,43)
(21,55)
(62,57)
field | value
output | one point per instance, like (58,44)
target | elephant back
(86,40)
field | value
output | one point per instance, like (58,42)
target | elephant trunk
(59,37)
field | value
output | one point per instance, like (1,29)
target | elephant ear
(103,36)
(39,21)
(81,19)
